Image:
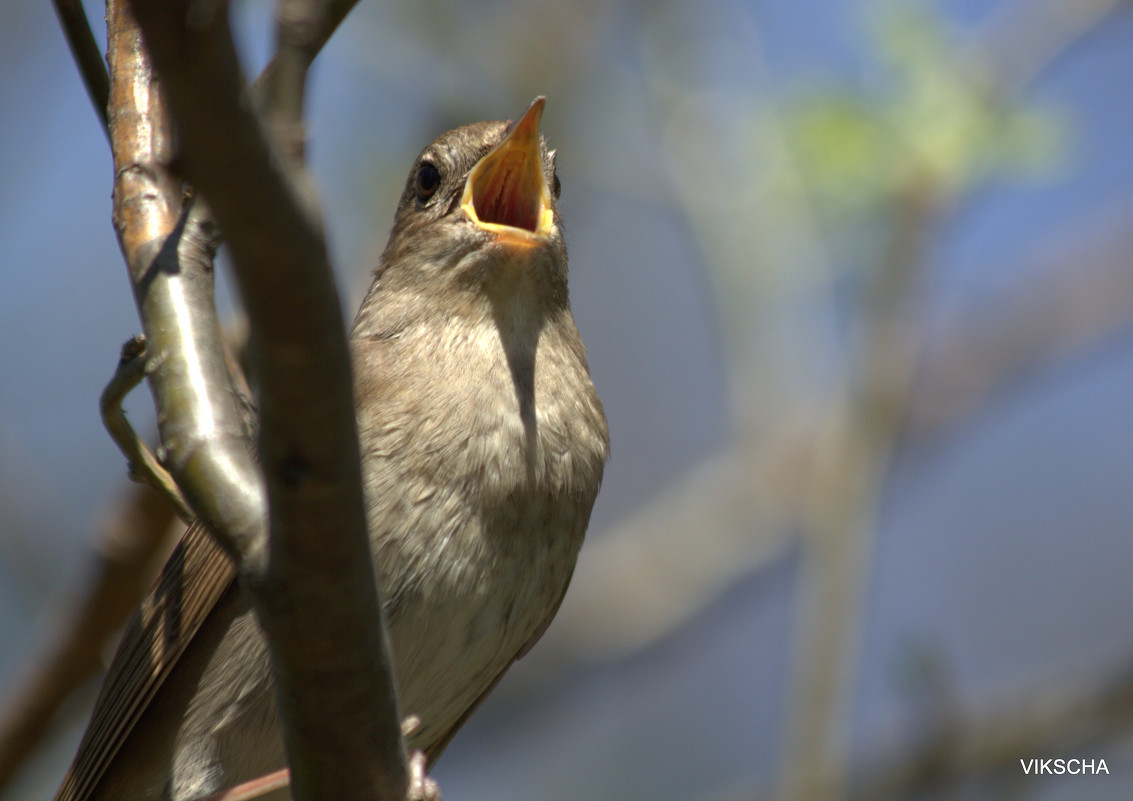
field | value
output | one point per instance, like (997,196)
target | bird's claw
(421,787)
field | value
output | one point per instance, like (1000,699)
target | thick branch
(336,703)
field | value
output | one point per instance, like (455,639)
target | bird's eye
(556,187)
(428,179)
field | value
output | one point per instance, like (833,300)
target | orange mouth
(506,192)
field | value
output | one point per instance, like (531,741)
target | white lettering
(1057,766)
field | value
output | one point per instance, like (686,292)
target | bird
(483,444)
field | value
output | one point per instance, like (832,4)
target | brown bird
(483,444)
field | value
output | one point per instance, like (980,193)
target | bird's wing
(192,581)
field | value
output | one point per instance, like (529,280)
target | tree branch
(302,28)
(336,704)
(169,257)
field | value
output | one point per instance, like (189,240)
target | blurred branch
(1023,38)
(1081,296)
(614,608)
(648,576)
(280,86)
(130,543)
(838,515)
(87,54)
(302,29)
(749,495)
(851,449)
(337,705)
(1052,719)
(839,518)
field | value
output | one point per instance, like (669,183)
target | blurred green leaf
(929,123)
(840,146)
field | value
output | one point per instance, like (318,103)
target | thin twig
(254,788)
(87,55)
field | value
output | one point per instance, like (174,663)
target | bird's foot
(421,787)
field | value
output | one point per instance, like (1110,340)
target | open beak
(506,192)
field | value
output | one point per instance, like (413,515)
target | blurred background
(854,281)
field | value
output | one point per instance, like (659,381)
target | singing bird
(483,444)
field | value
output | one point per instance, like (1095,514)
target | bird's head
(482,194)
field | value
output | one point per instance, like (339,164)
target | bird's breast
(479,485)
